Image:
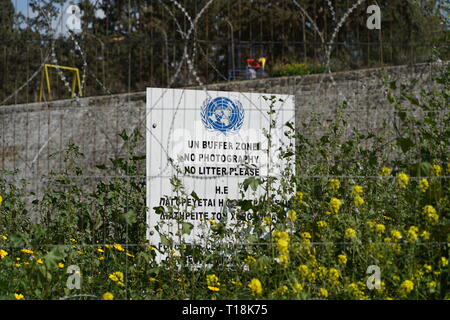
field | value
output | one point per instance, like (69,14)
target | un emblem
(223,115)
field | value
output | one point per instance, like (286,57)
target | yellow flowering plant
(287,244)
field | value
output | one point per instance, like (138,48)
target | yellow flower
(371,224)
(118,247)
(413,233)
(1,199)
(303,270)
(236,283)
(108,246)
(380,228)
(3,237)
(397,235)
(357,189)
(283,259)
(350,233)
(282,290)
(433,219)
(322,224)
(423,185)
(282,245)
(292,215)
(335,205)
(306,236)
(61,265)
(430,214)
(431,284)
(73,240)
(212,222)
(406,287)
(215,289)
(299,197)
(27,251)
(250,260)
(333,275)
(342,258)
(323,292)
(117,277)
(255,286)
(358,201)
(101,258)
(427,268)
(18,296)
(356,290)
(425,235)
(3,254)
(100,250)
(267,220)
(281,235)
(297,287)
(437,169)
(385,172)
(39,261)
(312,277)
(212,281)
(443,262)
(107,296)
(428,210)
(402,180)
(130,255)
(334,184)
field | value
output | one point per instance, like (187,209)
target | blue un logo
(223,115)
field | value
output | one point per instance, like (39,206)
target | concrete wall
(31,135)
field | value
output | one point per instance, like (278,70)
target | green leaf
(124,135)
(164,240)
(252,182)
(195,196)
(186,227)
(159,210)
(288,154)
(129,217)
(421,169)
(17,240)
(405,144)
(413,100)
(56,255)
(290,125)
(391,98)
(393,85)
(402,115)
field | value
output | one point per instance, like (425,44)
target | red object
(253,63)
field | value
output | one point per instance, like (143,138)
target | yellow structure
(46,79)
(262,60)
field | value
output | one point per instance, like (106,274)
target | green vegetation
(296,69)
(357,201)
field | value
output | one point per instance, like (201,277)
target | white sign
(211,141)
